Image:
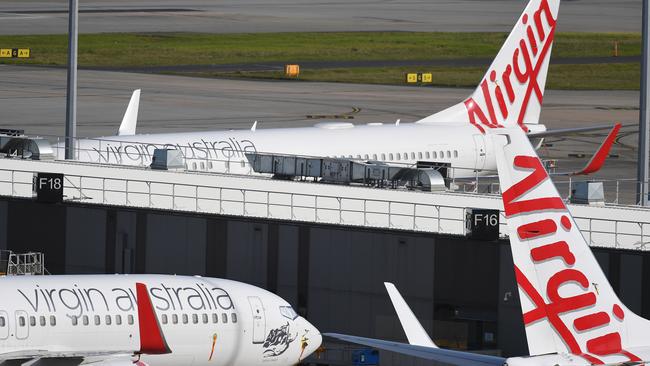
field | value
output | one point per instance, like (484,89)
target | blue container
(366,356)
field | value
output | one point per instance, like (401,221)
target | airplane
(511,92)
(158,320)
(571,314)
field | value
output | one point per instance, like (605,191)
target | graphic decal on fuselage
(229,148)
(278,341)
(76,301)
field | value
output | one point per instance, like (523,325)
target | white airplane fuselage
(234,322)
(461,145)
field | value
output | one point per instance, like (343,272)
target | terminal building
(326,248)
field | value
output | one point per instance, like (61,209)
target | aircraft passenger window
(75,320)
(243,163)
(3,322)
(215,318)
(43,321)
(435,155)
(52,320)
(205,318)
(185,319)
(448,154)
(383,156)
(195,318)
(108,320)
(455,153)
(390,156)
(174,318)
(358,156)
(349,156)
(224,318)
(398,156)
(442,155)
(366,157)
(210,165)
(428,155)
(202,166)
(406,156)
(21,321)
(32,321)
(374,156)
(130,318)
(233,317)
(97,320)
(164,318)
(420,155)
(118,319)
(412,156)
(85,320)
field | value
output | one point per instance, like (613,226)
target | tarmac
(250,16)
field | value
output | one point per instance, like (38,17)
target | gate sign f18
(48,187)
(482,224)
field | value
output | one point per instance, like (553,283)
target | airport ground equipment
(22,264)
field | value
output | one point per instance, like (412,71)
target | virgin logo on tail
(591,313)
(527,60)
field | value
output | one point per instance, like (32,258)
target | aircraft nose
(311,340)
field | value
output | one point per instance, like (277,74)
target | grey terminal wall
(463,291)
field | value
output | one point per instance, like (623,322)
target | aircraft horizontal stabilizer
(569,131)
(428,353)
(598,159)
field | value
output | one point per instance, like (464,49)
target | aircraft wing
(458,358)
(415,333)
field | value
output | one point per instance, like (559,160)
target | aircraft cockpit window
(3,322)
(233,317)
(288,312)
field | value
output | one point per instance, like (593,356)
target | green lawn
(127,49)
(163,49)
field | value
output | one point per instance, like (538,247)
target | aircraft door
(4,325)
(479,145)
(259,319)
(22,325)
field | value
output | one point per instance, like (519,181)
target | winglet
(130,119)
(152,339)
(254,126)
(415,333)
(599,157)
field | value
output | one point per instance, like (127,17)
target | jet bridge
(348,171)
